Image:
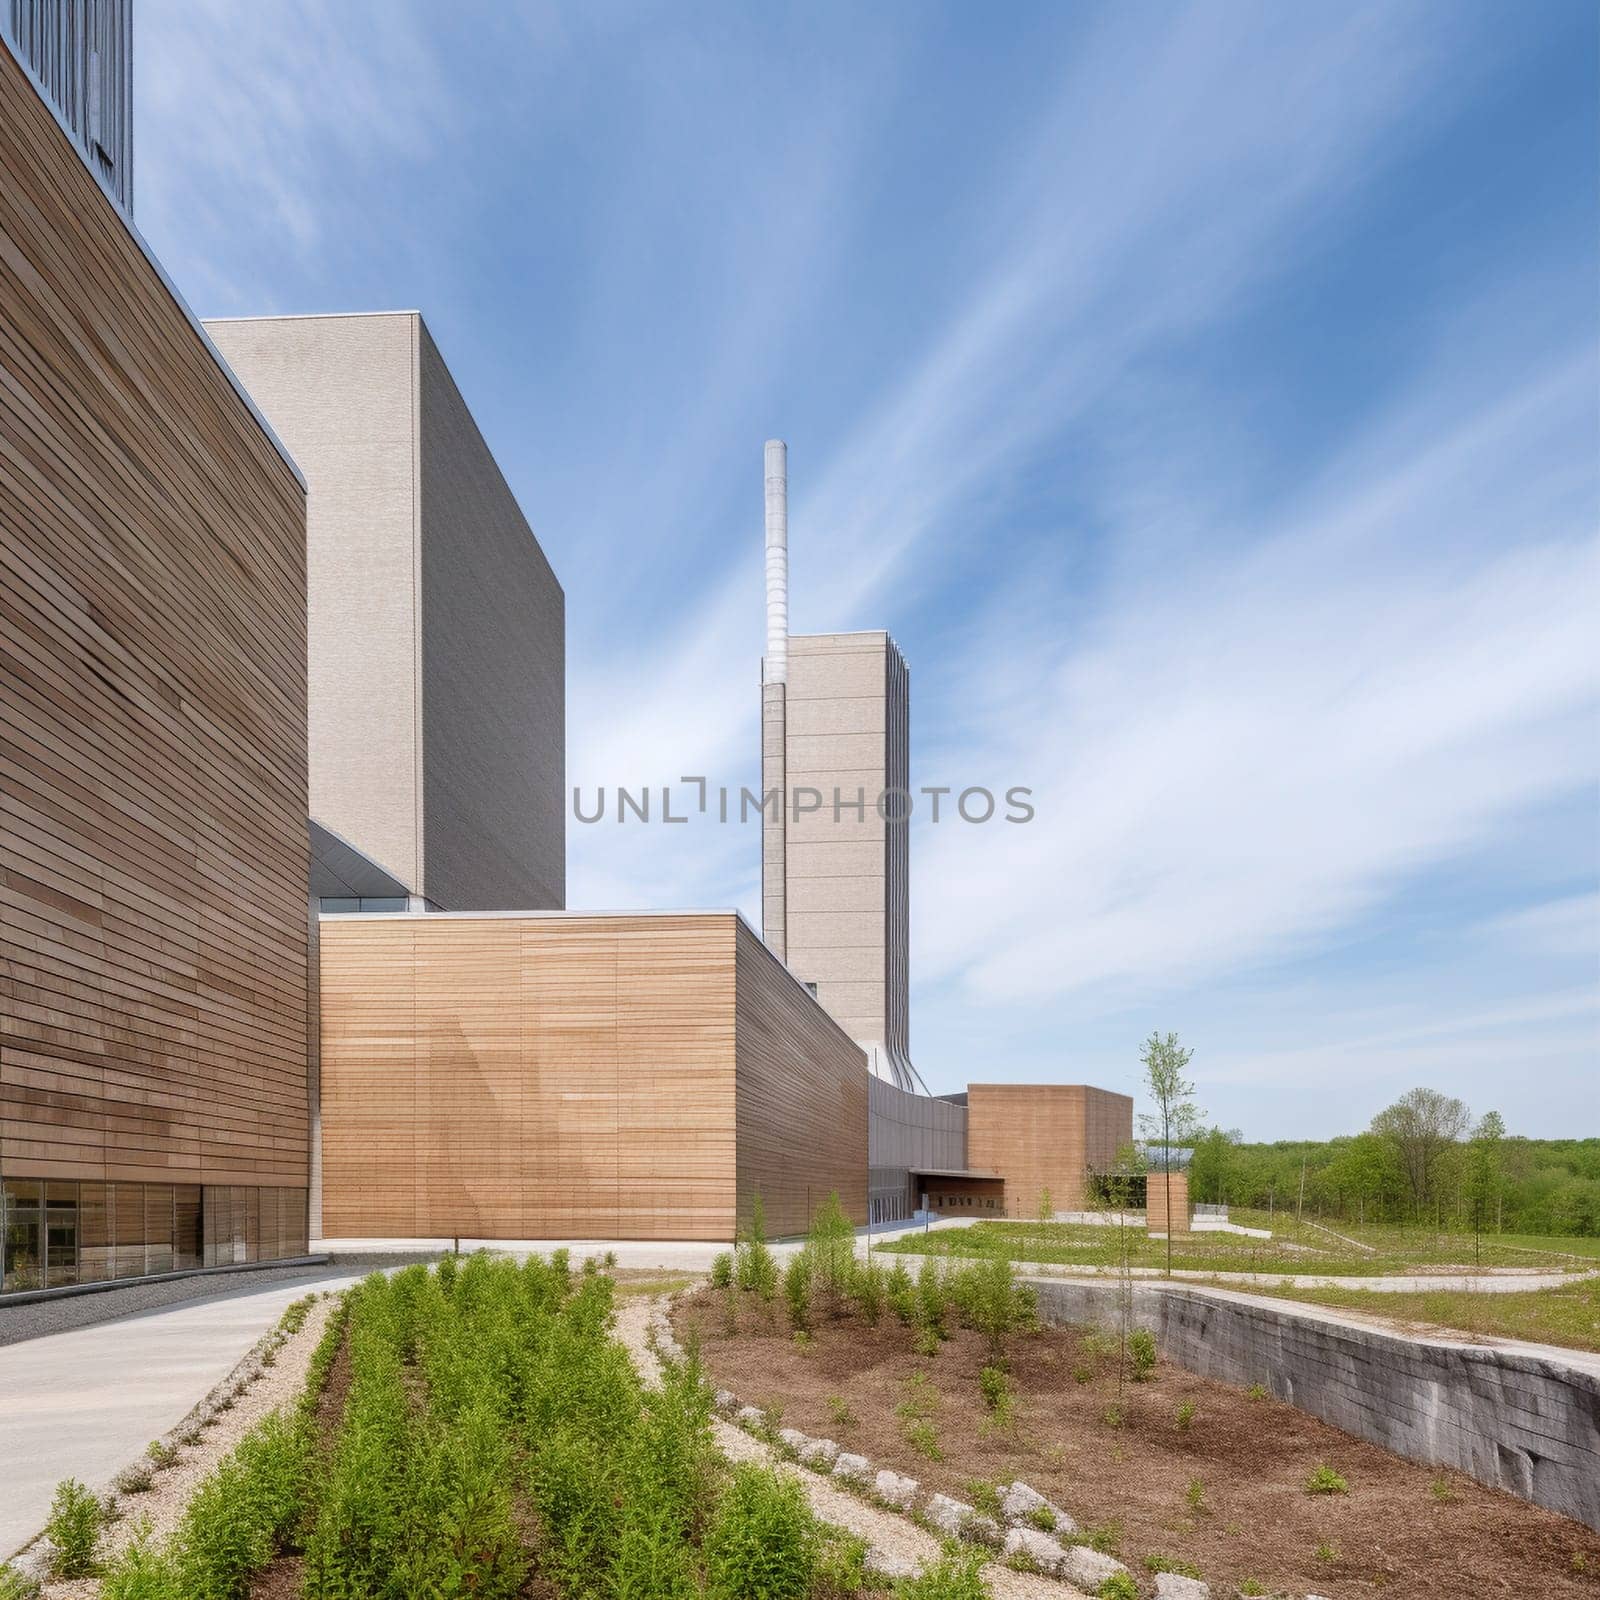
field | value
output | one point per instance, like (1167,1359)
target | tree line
(1424,1161)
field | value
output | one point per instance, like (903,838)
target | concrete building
(437,642)
(835,856)
(80,53)
(153,949)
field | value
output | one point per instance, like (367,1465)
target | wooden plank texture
(152,715)
(1044,1136)
(575,1077)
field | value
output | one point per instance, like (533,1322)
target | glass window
(24,1259)
(186,1230)
(384,903)
(94,1233)
(127,1229)
(336,903)
(158,1227)
(61,1233)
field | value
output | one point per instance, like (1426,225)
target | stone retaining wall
(1514,1421)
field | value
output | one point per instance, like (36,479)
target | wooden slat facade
(153,939)
(1045,1135)
(576,1077)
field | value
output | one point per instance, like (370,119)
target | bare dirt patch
(1226,1494)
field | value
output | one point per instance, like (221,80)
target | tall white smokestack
(774,709)
(775,665)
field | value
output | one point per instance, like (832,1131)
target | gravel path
(889,1535)
(163,1503)
(42,1318)
(1491,1280)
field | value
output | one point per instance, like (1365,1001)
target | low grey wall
(1518,1422)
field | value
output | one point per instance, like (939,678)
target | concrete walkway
(83,1404)
(1491,1280)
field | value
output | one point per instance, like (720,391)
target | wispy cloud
(1256,749)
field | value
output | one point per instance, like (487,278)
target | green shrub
(722,1270)
(869,1286)
(754,1268)
(957,1575)
(930,1299)
(1043,1518)
(830,1245)
(1326,1481)
(239,1517)
(141,1572)
(1142,1353)
(1118,1586)
(1257,1391)
(15,1586)
(797,1290)
(1326,1552)
(1185,1416)
(841,1564)
(839,1410)
(74,1530)
(1195,1496)
(922,1436)
(901,1294)
(984,1494)
(989,1300)
(1252,1586)
(994,1385)
(762,1542)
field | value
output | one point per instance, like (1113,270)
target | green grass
(1293,1249)
(1569,1315)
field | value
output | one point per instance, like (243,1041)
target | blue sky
(1205,398)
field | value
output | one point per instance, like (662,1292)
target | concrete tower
(835,742)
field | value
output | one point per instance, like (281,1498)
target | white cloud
(1255,749)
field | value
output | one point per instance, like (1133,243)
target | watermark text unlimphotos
(697,796)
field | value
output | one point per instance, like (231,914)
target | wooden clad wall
(1158,1185)
(152,714)
(528,1077)
(802,1098)
(576,1077)
(1037,1136)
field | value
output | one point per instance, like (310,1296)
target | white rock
(895,1490)
(819,1453)
(889,1564)
(724,1399)
(793,1439)
(983,1530)
(749,1417)
(1087,1568)
(947,1515)
(1021,1503)
(1038,1549)
(854,1468)
(1174,1586)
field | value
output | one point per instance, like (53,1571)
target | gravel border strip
(268,1377)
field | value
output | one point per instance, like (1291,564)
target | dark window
(340,903)
(61,1233)
(24,1259)
(384,903)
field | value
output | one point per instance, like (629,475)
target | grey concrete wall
(914,1130)
(847,712)
(437,629)
(1513,1420)
(341,394)
(493,674)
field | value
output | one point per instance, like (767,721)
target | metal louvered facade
(81,51)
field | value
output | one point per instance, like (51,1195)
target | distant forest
(1422,1162)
